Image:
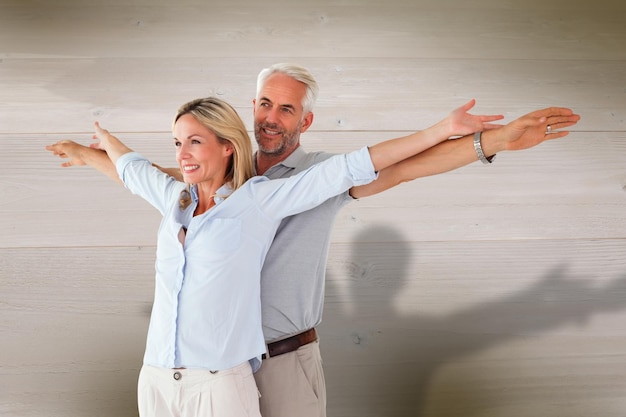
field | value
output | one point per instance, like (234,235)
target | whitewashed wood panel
(360,94)
(485,29)
(73,330)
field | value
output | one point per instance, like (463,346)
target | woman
(205,338)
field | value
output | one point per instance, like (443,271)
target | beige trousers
(166,392)
(292,384)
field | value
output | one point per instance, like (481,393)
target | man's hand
(68,149)
(537,127)
(84,155)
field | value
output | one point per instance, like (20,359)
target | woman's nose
(182,151)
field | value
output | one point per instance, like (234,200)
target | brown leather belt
(290,344)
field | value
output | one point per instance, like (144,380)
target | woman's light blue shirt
(207,309)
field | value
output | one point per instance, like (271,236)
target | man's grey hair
(296,72)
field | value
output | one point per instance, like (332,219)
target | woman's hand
(103,136)
(109,143)
(461,123)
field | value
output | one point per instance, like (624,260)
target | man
(291,379)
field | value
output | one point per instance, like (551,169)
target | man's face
(278,115)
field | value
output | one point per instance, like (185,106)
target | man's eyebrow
(287,106)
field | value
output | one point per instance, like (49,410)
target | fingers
(56,150)
(99,129)
(561,122)
(552,112)
(491,126)
(550,120)
(100,135)
(552,128)
(53,149)
(556,135)
(60,154)
(464,108)
(467,106)
(555,115)
(486,118)
(491,118)
(555,123)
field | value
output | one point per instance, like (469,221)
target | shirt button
(177,375)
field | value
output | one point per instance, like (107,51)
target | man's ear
(307,122)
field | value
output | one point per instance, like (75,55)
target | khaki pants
(292,384)
(197,392)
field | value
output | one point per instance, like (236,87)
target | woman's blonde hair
(224,121)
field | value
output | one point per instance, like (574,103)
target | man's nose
(272,115)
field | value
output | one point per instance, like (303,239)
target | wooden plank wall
(488,291)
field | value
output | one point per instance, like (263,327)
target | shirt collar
(220,195)
(292,161)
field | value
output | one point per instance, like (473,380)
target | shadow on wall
(379,362)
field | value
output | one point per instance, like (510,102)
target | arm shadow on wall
(381,362)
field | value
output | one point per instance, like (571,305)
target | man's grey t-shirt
(292,278)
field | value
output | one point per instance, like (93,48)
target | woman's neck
(206,194)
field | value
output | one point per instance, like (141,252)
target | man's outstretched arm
(83,155)
(523,133)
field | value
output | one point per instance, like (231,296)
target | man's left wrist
(480,153)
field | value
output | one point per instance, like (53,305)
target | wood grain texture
(487,291)
(355,95)
(400,28)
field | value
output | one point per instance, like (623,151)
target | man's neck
(265,161)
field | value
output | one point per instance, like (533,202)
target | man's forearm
(172,172)
(522,133)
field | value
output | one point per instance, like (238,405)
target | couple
(205,336)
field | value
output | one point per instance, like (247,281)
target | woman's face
(200,156)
